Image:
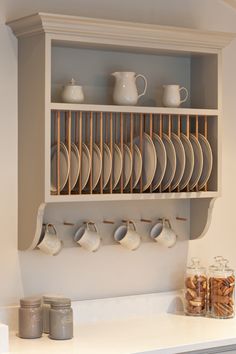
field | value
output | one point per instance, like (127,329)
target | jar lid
(48,298)
(30,301)
(63,302)
(195,266)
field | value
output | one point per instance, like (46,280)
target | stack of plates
(163,162)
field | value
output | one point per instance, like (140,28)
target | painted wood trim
(132,109)
(122,33)
(128,196)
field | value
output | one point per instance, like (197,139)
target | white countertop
(159,334)
(151,329)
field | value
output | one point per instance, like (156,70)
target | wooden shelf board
(132,109)
(131,197)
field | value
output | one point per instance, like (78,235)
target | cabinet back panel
(92,68)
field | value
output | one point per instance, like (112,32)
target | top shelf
(133,109)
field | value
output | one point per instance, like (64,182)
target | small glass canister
(47,301)
(30,318)
(195,289)
(222,285)
(211,270)
(61,320)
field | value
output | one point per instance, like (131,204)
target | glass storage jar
(195,289)
(211,269)
(222,285)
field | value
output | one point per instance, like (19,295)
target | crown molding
(91,30)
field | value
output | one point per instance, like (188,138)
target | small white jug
(171,95)
(72,93)
(125,90)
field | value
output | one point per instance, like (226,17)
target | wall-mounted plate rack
(62,47)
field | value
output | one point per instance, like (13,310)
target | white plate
(64,167)
(189,161)
(116,165)
(85,166)
(149,159)
(198,161)
(161,161)
(180,161)
(137,165)
(74,165)
(207,161)
(171,162)
(127,166)
(107,164)
(97,165)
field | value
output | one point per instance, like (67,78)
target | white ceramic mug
(87,236)
(50,243)
(163,233)
(171,95)
(127,236)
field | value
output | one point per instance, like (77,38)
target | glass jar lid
(195,267)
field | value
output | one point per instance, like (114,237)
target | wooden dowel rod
(68,143)
(141,147)
(108,222)
(122,153)
(196,132)
(112,155)
(68,223)
(76,128)
(187,127)
(80,150)
(181,219)
(169,134)
(205,127)
(91,151)
(101,149)
(151,134)
(131,149)
(58,150)
(146,220)
(161,126)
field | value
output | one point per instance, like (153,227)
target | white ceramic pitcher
(125,90)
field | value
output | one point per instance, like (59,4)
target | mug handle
(92,224)
(145,84)
(52,226)
(130,222)
(186,92)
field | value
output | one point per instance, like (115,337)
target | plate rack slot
(115,152)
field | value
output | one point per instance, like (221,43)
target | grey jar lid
(49,298)
(30,302)
(63,302)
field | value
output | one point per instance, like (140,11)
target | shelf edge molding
(120,33)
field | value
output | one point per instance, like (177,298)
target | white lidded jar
(72,93)
(195,289)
